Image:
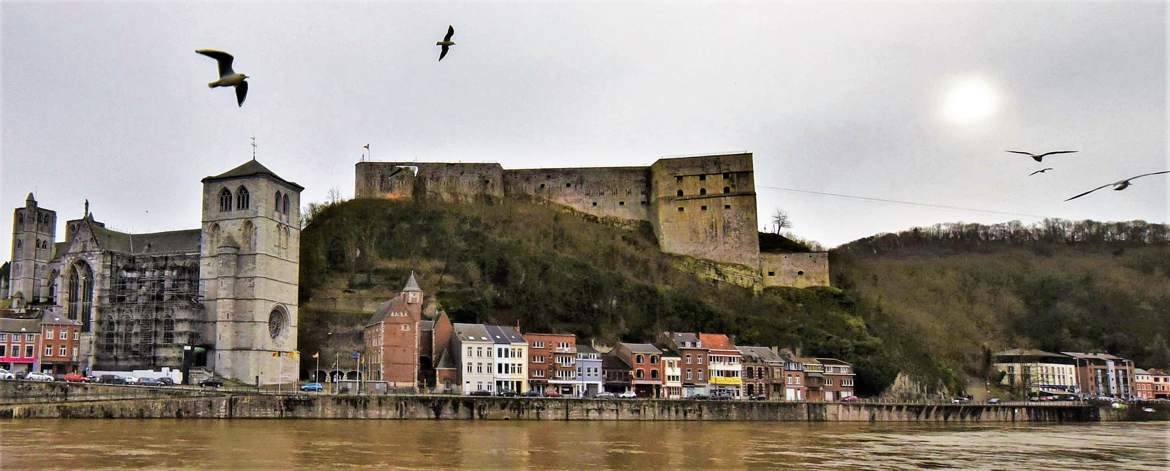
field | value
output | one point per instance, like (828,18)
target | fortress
(703,207)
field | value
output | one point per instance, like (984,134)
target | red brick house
(60,345)
(392,339)
(552,362)
(645,367)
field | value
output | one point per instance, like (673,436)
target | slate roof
(762,354)
(504,335)
(641,348)
(411,284)
(471,332)
(248,169)
(610,361)
(585,348)
(31,326)
(1093,356)
(397,303)
(445,360)
(1025,352)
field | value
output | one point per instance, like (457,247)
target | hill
(554,271)
(930,307)
(1056,286)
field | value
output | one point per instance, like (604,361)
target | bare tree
(334,196)
(780,221)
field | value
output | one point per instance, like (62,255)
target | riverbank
(61,400)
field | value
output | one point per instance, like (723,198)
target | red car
(75,378)
(552,394)
(850,399)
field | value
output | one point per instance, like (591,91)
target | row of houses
(407,352)
(31,340)
(1079,374)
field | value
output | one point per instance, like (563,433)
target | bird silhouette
(1040,157)
(1118,185)
(227,76)
(1040,171)
(446,42)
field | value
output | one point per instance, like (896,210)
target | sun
(969,101)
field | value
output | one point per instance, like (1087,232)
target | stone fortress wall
(702,207)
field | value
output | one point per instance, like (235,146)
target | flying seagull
(1118,185)
(1040,171)
(227,76)
(446,42)
(1040,157)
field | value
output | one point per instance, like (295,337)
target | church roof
(397,303)
(411,284)
(248,169)
(185,241)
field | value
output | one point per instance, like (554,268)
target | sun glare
(970,101)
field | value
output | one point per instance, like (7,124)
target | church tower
(33,229)
(248,273)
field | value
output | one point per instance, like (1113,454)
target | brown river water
(341,444)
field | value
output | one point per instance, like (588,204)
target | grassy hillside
(554,271)
(970,298)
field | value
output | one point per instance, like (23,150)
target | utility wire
(907,203)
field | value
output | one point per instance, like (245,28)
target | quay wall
(304,406)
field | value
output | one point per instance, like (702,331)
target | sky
(907,101)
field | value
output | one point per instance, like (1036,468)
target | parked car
(34,376)
(700,397)
(532,393)
(994,400)
(5,374)
(507,393)
(604,395)
(628,395)
(165,381)
(149,382)
(131,380)
(312,387)
(211,383)
(850,399)
(481,392)
(75,378)
(759,397)
(111,379)
(552,394)
(721,398)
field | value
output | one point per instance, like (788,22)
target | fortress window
(727,189)
(643,203)
(595,204)
(568,185)
(225,200)
(678,179)
(487,182)
(771,273)
(285,210)
(726,176)
(680,193)
(242,198)
(702,178)
(680,209)
(800,273)
(542,186)
(702,191)
(621,203)
(727,206)
(704,208)
(277,204)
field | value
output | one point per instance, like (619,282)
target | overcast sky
(912,101)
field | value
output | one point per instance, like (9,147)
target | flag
(366,147)
(317,355)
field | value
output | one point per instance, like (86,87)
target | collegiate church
(227,290)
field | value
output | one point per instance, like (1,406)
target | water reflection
(313,444)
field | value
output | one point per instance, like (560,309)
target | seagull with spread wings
(446,42)
(1040,157)
(1118,185)
(227,76)
(1040,171)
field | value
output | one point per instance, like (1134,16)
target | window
(702,191)
(621,203)
(726,176)
(225,200)
(568,185)
(3,337)
(30,337)
(48,333)
(699,359)
(63,335)
(800,273)
(479,367)
(688,374)
(639,359)
(594,203)
(242,200)
(702,177)
(653,360)
(639,374)
(542,186)
(771,273)
(285,208)
(726,189)
(688,356)
(828,381)
(277,320)
(727,206)
(468,351)
(700,375)
(680,209)
(653,374)
(703,208)
(276,205)
(538,344)
(61,351)
(679,193)
(469,367)
(3,349)
(678,179)
(479,352)
(49,351)
(28,351)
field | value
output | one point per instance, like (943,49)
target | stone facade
(702,207)
(229,286)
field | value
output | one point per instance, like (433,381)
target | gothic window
(276,205)
(81,294)
(242,198)
(225,200)
(276,322)
(214,240)
(702,191)
(285,209)
(726,189)
(247,235)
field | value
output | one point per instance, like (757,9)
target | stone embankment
(57,400)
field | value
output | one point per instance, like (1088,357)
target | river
(340,444)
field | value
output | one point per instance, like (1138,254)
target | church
(222,296)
